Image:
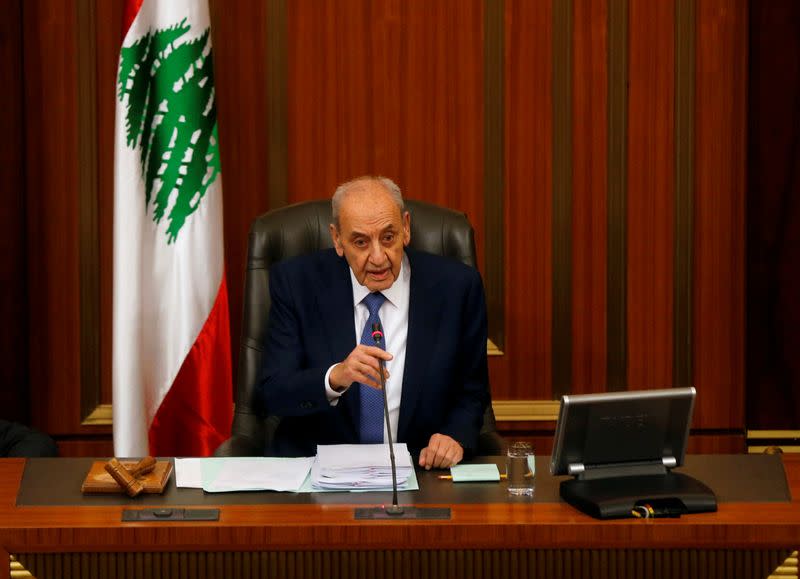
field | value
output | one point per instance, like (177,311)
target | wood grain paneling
(525,372)
(413,564)
(562,199)
(684,191)
(616,277)
(329,527)
(773,216)
(14,386)
(400,88)
(109,38)
(96,446)
(388,87)
(720,145)
(651,176)
(88,227)
(493,267)
(589,200)
(239,36)
(717,443)
(52,218)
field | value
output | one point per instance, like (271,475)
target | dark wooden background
(599,148)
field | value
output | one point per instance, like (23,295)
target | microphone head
(377,333)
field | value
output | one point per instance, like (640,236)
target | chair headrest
(305,227)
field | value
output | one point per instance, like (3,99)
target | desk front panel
(495,536)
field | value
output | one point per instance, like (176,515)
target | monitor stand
(653,491)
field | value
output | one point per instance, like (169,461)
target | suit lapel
(335,300)
(422,330)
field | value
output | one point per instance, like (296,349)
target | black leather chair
(304,228)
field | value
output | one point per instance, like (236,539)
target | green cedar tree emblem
(171,119)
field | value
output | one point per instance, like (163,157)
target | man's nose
(376,253)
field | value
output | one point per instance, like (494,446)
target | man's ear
(337,241)
(406,228)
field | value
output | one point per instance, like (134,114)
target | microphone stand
(394,511)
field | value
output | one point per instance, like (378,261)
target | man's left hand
(441,452)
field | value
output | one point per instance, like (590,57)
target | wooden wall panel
(52,218)
(397,87)
(240,58)
(525,372)
(773,217)
(389,87)
(719,323)
(589,189)
(100,447)
(651,170)
(109,38)
(14,386)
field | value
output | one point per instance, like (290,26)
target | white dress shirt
(394,319)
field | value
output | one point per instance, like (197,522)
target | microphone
(394,511)
(377,335)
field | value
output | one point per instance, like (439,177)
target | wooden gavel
(127,478)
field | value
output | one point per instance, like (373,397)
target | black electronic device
(621,447)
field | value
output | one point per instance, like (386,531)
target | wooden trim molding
(18,571)
(100,416)
(759,449)
(492,349)
(767,434)
(772,440)
(525,410)
(788,569)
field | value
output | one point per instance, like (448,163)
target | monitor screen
(615,428)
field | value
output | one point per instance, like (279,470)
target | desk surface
(325,525)
(734,478)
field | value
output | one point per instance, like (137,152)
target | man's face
(371,235)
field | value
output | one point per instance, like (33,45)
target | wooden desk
(481,540)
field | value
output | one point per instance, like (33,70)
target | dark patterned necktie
(371,422)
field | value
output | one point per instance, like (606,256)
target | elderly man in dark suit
(321,366)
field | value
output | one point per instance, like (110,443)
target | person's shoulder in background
(18,440)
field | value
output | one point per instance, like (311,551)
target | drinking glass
(520,469)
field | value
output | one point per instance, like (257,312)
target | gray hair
(390,186)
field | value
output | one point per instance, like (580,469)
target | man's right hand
(361,365)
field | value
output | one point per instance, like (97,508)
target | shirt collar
(392,294)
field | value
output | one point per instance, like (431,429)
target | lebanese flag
(172,391)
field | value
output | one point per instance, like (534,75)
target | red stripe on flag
(129,12)
(195,415)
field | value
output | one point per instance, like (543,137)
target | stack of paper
(218,475)
(360,466)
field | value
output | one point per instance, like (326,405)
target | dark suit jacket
(19,440)
(445,381)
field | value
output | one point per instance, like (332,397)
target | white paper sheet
(255,474)
(189,473)
(343,456)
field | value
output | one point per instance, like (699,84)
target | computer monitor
(620,448)
(618,428)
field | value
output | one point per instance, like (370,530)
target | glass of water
(520,469)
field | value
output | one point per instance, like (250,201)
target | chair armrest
(490,444)
(238,445)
